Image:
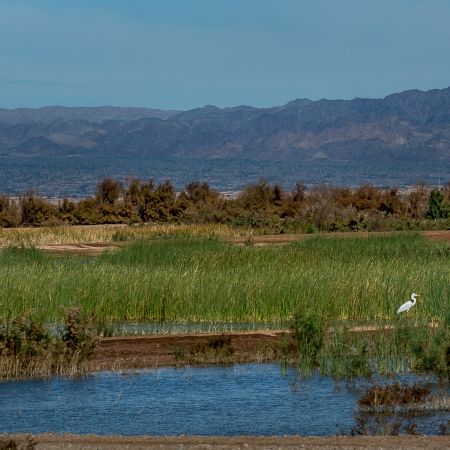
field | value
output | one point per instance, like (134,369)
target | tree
(258,196)
(9,212)
(133,195)
(391,203)
(66,210)
(200,192)
(418,201)
(37,211)
(108,190)
(437,208)
(157,203)
(366,197)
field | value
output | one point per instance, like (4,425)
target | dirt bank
(89,442)
(151,351)
(168,350)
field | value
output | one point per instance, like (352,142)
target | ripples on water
(250,399)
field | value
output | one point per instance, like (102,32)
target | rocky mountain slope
(409,126)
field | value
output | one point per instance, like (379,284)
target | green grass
(200,279)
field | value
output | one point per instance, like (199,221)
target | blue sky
(181,54)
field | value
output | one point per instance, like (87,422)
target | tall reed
(179,279)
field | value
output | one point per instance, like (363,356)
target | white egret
(409,304)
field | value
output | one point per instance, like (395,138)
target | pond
(247,399)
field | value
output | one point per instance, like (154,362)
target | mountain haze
(95,114)
(410,126)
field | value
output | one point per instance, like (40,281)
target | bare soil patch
(437,235)
(117,353)
(283,239)
(92,249)
(152,351)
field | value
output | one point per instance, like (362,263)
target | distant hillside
(411,126)
(90,114)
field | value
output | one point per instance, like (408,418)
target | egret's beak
(418,295)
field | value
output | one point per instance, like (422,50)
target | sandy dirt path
(89,442)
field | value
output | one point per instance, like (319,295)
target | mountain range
(412,126)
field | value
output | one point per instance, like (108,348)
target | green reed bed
(404,348)
(178,279)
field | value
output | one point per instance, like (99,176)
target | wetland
(227,330)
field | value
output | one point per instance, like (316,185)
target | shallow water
(145,328)
(251,399)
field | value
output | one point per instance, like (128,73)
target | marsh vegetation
(335,299)
(190,279)
(28,349)
(321,287)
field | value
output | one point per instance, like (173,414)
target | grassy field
(192,279)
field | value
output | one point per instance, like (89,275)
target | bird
(409,304)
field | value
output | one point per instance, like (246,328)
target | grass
(188,279)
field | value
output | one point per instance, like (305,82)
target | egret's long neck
(413,298)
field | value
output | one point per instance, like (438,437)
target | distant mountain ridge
(409,126)
(94,114)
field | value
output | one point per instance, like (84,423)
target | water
(77,176)
(128,328)
(145,328)
(248,399)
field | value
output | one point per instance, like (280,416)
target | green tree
(157,203)
(437,208)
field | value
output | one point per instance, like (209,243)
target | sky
(183,54)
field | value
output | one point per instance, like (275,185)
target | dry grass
(79,234)
(107,234)
(433,404)
(15,367)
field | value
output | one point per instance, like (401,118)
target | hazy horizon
(208,104)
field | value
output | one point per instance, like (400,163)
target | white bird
(409,304)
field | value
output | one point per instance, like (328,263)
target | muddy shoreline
(152,351)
